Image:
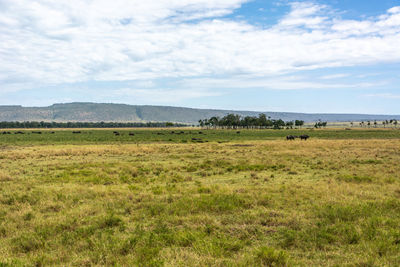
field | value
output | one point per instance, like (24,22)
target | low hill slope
(96,112)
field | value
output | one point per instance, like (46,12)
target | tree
(201,123)
(298,123)
(289,124)
(214,121)
(262,120)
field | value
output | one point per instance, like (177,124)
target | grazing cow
(52,132)
(131,134)
(19,132)
(238,132)
(36,132)
(117,134)
(290,137)
(200,132)
(304,137)
(76,132)
(6,133)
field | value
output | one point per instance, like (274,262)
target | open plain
(190,197)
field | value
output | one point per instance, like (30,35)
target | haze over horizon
(321,56)
(196,108)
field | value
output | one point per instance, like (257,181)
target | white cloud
(304,14)
(53,42)
(395,9)
(335,76)
(273,83)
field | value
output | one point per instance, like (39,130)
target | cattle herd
(293,137)
(289,137)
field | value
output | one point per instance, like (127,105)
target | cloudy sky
(278,55)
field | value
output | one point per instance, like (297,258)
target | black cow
(304,137)
(290,137)
(36,132)
(76,132)
(131,134)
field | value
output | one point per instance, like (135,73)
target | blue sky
(332,56)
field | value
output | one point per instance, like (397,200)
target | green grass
(328,201)
(96,136)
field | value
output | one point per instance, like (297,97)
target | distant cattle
(200,132)
(19,132)
(76,132)
(6,133)
(290,137)
(304,137)
(52,132)
(131,134)
(36,132)
(238,132)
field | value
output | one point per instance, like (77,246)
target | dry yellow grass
(320,202)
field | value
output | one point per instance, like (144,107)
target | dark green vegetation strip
(179,136)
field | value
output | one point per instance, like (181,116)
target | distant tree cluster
(389,123)
(42,124)
(234,121)
(320,124)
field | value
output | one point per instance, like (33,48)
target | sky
(320,56)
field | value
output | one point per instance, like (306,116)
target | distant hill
(96,112)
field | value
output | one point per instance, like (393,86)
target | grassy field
(99,136)
(229,199)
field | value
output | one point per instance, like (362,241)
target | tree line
(234,121)
(389,123)
(43,124)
